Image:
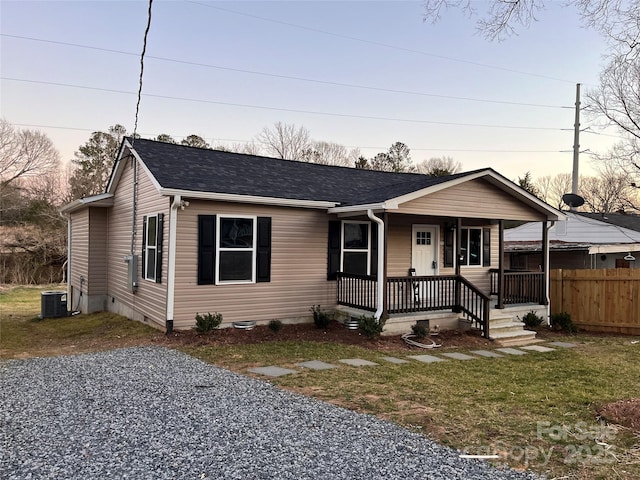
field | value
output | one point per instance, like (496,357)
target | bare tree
(439,166)
(24,153)
(609,192)
(551,189)
(285,141)
(329,153)
(501,18)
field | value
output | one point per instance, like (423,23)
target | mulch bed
(336,333)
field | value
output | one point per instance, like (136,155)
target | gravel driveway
(155,413)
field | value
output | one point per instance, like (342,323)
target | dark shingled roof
(200,170)
(626,220)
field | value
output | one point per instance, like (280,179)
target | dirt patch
(623,412)
(336,333)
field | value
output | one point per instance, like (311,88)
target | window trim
(157,251)
(344,250)
(481,243)
(253,249)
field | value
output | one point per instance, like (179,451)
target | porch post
(385,306)
(545,263)
(501,264)
(457,260)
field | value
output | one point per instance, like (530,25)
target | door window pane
(475,246)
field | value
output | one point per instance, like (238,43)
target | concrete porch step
(512,339)
(505,327)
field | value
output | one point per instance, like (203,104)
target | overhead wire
(291,77)
(144,50)
(291,110)
(379,44)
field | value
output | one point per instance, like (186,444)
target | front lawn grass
(23,334)
(537,411)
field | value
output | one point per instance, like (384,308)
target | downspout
(546,273)
(380,278)
(171,261)
(69,299)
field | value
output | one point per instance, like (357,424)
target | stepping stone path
(487,353)
(458,356)
(272,371)
(395,360)
(317,365)
(426,358)
(358,362)
(538,348)
(275,371)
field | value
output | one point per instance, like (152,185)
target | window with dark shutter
(486,247)
(263,254)
(333,261)
(152,232)
(449,235)
(206,249)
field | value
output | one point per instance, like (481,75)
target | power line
(290,110)
(144,49)
(381,44)
(214,139)
(291,77)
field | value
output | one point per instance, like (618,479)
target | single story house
(583,240)
(182,230)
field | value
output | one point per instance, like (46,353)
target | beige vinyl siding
(473,199)
(298,268)
(79,249)
(399,238)
(97,274)
(149,301)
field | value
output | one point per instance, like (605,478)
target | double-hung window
(233,249)
(355,247)
(475,247)
(152,231)
(236,252)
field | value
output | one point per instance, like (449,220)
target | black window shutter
(206,249)
(263,254)
(144,247)
(333,260)
(448,246)
(159,240)
(374,249)
(486,247)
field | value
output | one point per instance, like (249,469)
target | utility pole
(576,146)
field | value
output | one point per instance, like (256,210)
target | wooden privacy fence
(598,300)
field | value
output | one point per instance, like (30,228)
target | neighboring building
(584,240)
(182,230)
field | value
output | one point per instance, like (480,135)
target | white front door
(424,250)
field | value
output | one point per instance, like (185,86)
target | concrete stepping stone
(394,360)
(487,353)
(427,358)
(512,351)
(538,348)
(272,371)
(316,365)
(458,356)
(562,344)
(357,362)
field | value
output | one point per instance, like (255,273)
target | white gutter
(69,299)
(546,273)
(380,223)
(171,261)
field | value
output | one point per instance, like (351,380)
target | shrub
(419,330)
(370,327)
(562,321)
(531,320)
(207,322)
(320,319)
(275,326)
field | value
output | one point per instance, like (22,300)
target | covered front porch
(439,250)
(439,294)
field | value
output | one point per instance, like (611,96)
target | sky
(362,74)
